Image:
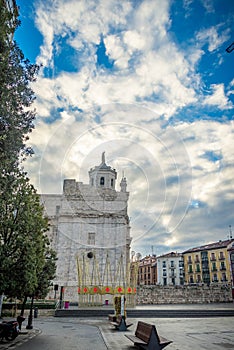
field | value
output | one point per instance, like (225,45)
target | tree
(27,264)
(22,235)
(44,278)
(16,95)
(47,274)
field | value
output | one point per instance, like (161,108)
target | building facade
(231,259)
(89,229)
(147,271)
(170,269)
(208,263)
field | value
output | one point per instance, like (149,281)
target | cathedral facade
(89,229)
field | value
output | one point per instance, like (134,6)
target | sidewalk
(24,336)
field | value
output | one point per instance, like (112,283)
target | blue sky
(151,84)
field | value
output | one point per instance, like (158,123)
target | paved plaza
(214,333)
(186,334)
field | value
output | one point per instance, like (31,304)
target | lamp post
(30,316)
(55,290)
(61,297)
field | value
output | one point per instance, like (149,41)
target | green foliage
(47,274)
(16,95)
(40,305)
(9,22)
(23,243)
(27,262)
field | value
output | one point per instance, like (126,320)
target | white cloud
(231,88)
(157,66)
(212,37)
(124,112)
(209,5)
(116,51)
(156,162)
(134,40)
(218,98)
(47,31)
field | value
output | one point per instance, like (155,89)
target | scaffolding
(98,284)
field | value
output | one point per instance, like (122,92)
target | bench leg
(122,326)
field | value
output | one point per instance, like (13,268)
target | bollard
(66,304)
(35,312)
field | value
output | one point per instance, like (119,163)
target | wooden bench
(146,337)
(121,323)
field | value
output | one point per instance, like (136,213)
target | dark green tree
(47,274)
(22,235)
(16,95)
(44,277)
(24,247)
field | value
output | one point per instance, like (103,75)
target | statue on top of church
(103,158)
(123,184)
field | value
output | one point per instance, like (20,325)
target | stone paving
(214,333)
(186,334)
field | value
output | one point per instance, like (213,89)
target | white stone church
(89,229)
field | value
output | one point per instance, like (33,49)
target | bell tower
(102,176)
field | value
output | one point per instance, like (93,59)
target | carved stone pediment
(107,194)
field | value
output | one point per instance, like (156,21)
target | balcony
(213,258)
(205,271)
(221,257)
(215,280)
(223,268)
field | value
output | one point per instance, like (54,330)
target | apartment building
(170,269)
(231,259)
(147,270)
(209,263)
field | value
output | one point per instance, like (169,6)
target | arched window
(102,181)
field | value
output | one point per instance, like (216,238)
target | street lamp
(30,316)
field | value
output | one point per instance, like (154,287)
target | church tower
(89,229)
(102,176)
